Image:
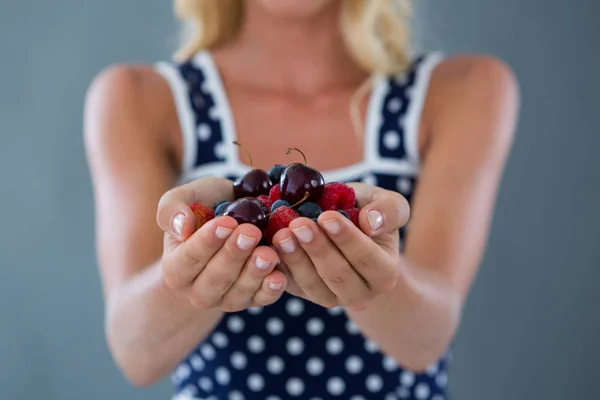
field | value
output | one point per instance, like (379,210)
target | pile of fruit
(271,200)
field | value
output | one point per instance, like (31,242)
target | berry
(203,214)
(221,207)
(353,214)
(310,210)
(265,200)
(337,196)
(344,213)
(218,203)
(274,194)
(316,220)
(275,172)
(298,179)
(254,183)
(279,203)
(279,220)
(247,211)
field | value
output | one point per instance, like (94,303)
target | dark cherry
(298,179)
(248,211)
(254,183)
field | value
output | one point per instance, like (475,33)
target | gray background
(529,329)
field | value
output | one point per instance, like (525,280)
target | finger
(258,266)
(183,262)
(302,270)
(271,289)
(368,259)
(383,211)
(174,215)
(225,266)
(330,264)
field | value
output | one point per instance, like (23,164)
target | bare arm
(472,119)
(149,326)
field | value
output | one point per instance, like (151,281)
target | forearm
(415,322)
(151,328)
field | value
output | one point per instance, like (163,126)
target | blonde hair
(376,32)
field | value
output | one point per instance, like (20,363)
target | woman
(327,311)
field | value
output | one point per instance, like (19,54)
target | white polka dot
(334,345)
(256,344)
(275,365)
(214,113)
(183,371)
(404,185)
(374,383)
(391,140)
(222,376)
(220,339)
(390,396)
(205,383)
(295,346)
(273,398)
(315,326)
(220,150)
(422,391)
(204,132)
(255,310)
(190,390)
(197,362)
(395,104)
(294,307)
(354,364)
(274,326)
(357,397)
(432,370)
(235,324)
(294,386)
(370,180)
(236,395)
(208,352)
(239,360)
(389,364)
(336,386)
(437,397)
(371,346)
(403,393)
(315,366)
(352,328)
(256,382)
(315,398)
(407,378)
(441,379)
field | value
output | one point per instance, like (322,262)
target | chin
(296,8)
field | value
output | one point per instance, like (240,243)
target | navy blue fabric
(295,349)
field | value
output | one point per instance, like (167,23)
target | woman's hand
(219,265)
(336,263)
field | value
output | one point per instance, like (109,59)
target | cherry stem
(246,151)
(289,150)
(306,195)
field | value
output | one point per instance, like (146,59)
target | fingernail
(275,286)
(332,226)
(375,219)
(288,245)
(222,232)
(262,264)
(244,242)
(304,234)
(177,224)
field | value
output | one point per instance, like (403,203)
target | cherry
(298,179)
(254,183)
(248,211)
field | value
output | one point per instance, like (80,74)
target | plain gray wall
(529,330)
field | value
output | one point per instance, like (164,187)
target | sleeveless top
(295,349)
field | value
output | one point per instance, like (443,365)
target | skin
(167,285)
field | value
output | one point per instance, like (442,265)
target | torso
(294,348)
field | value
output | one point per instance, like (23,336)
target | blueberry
(345,214)
(279,203)
(309,210)
(275,172)
(218,203)
(221,207)
(316,220)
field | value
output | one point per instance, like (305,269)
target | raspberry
(203,214)
(274,194)
(337,196)
(352,214)
(279,220)
(266,201)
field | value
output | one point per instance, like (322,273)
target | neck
(303,55)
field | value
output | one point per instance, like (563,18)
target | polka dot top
(295,349)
